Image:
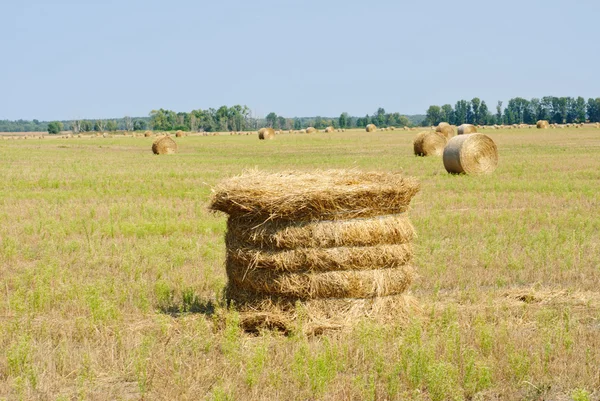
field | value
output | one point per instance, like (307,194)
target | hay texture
(323,195)
(429,143)
(542,124)
(466,129)
(266,133)
(164,145)
(471,154)
(445,129)
(371,128)
(334,243)
(283,235)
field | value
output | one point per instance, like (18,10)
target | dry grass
(111,279)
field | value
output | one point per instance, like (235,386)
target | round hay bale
(179,134)
(164,145)
(371,128)
(391,128)
(445,129)
(466,129)
(429,143)
(303,131)
(329,129)
(542,124)
(311,130)
(148,134)
(278,235)
(471,154)
(266,133)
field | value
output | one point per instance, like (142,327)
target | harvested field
(113,279)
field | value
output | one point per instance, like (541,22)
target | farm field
(112,269)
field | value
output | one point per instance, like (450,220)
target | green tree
(447,114)
(86,126)
(499,112)
(433,116)
(379,117)
(593,109)
(139,125)
(271,119)
(111,125)
(462,110)
(343,120)
(55,127)
(297,124)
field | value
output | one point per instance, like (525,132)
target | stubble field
(112,269)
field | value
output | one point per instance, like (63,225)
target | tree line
(559,110)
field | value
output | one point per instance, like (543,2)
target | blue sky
(102,59)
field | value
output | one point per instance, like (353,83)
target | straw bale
(179,134)
(328,284)
(471,154)
(266,133)
(445,129)
(322,195)
(371,128)
(281,235)
(323,259)
(314,317)
(148,134)
(429,143)
(329,129)
(311,130)
(466,129)
(164,145)
(542,124)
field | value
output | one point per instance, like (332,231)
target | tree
(111,125)
(484,114)
(128,123)
(100,125)
(462,110)
(76,126)
(499,112)
(297,124)
(447,114)
(139,125)
(379,117)
(343,120)
(271,119)
(86,126)
(433,116)
(593,109)
(55,127)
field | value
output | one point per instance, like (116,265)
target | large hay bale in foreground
(542,124)
(266,133)
(466,129)
(371,128)
(335,241)
(164,145)
(471,154)
(311,130)
(429,143)
(445,129)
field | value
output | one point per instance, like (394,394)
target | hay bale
(542,124)
(371,128)
(179,134)
(466,129)
(266,133)
(303,131)
(391,128)
(281,235)
(329,284)
(311,130)
(597,125)
(329,129)
(164,145)
(148,134)
(471,154)
(429,143)
(445,129)
(330,194)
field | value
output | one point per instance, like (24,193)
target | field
(111,273)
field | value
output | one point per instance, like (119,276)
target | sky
(70,59)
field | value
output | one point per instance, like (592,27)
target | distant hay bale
(429,143)
(148,134)
(391,128)
(164,145)
(329,129)
(471,154)
(466,129)
(303,131)
(311,130)
(445,129)
(266,133)
(405,128)
(542,124)
(371,128)
(179,134)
